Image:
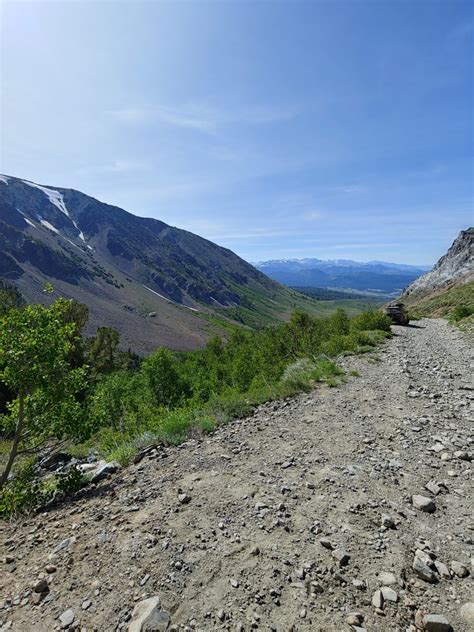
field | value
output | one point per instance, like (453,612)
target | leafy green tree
(166,384)
(103,352)
(35,348)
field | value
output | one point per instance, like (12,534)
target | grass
(443,304)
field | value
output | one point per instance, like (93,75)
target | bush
(462,311)
(372,319)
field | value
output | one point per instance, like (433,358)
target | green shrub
(70,481)
(462,311)
(372,319)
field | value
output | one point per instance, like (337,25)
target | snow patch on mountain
(53,196)
(4,179)
(50,226)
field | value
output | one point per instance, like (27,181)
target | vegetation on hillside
(450,303)
(65,387)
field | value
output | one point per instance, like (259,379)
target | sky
(329,129)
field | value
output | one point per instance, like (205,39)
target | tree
(166,385)
(35,350)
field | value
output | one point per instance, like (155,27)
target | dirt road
(288,520)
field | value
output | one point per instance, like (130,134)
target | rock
(436,623)
(63,545)
(459,569)
(467,613)
(355,618)
(341,556)
(184,499)
(53,461)
(326,543)
(442,569)
(255,550)
(149,616)
(389,594)
(424,571)
(50,568)
(433,487)
(423,503)
(359,584)
(377,599)
(387,579)
(387,522)
(66,618)
(463,456)
(104,470)
(41,586)
(37,597)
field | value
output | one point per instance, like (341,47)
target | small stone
(326,544)
(67,618)
(234,583)
(86,604)
(41,586)
(303,613)
(184,499)
(387,522)
(377,599)
(37,597)
(255,550)
(442,569)
(104,471)
(359,584)
(220,614)
(50,568)
(148,615)
(341,556)
(387,579)
(424,571)
(436,623)
(423,503)
(389,594)
(355,618)
(459,569)
(433,487)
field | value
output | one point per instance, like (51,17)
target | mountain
(374,277)
(449,284)
(456,267)
(156,284)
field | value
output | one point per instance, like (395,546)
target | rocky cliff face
(456,267)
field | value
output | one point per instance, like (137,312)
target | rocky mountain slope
(156,284)
(376,277)
(341,509)
(455,268)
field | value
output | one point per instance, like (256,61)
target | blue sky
(278,129)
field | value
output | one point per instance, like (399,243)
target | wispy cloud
(116,166)
(204,117)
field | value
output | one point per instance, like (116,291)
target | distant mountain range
(156,284)
(377,278)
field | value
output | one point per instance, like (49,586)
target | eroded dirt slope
(235,531)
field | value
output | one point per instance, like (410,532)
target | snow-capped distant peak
(53,196)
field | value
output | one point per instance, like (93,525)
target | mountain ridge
(157,284)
